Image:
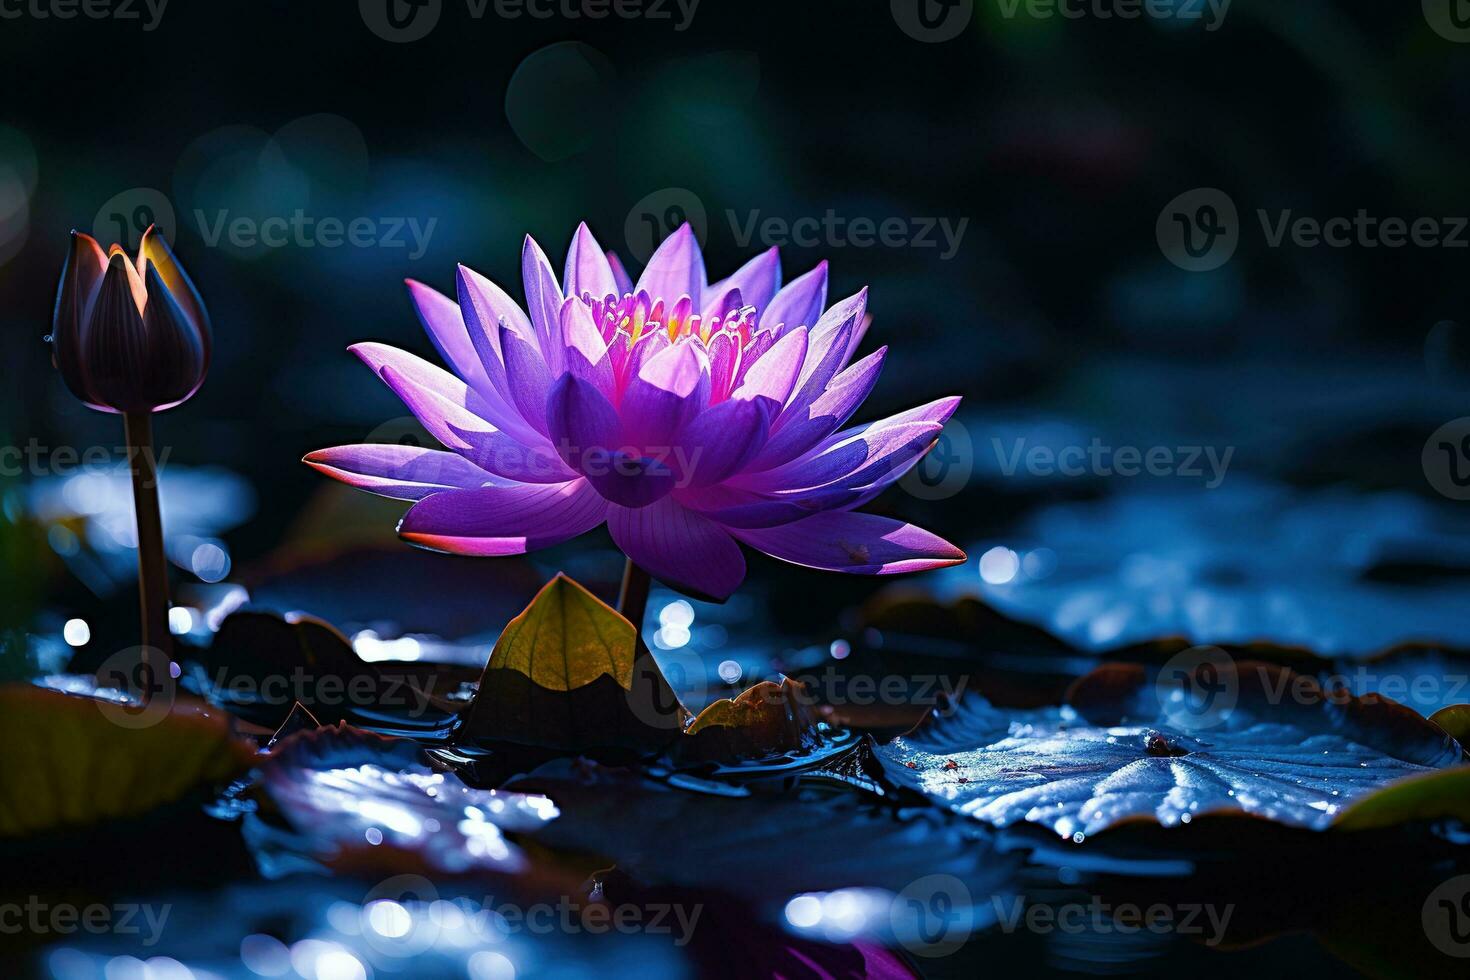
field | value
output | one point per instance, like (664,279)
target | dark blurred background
(1049,147)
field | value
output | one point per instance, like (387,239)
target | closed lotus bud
(129,336)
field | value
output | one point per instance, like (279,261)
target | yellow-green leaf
(1431,796)
(567,638)
(68,760)
(1456,720)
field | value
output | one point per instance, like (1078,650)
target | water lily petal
(503,520)
(802,429)
(178,351)
(758,280)
(800,302)
(528,378)
(676,269)
(859,544)
(680,548)
(669,391)
(588,272)
(456,415)
(620,275)
(543,300)
(720,441)
(115,343)
(154,252)
(734,507)
(399,471)
(772,377)
(587,353)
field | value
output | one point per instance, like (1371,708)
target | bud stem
(633,598)
(152,569)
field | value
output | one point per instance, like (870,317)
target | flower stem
(152,570)
(633,598)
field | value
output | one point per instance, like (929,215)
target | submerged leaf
(68,761)
(764,720)
(1285,749)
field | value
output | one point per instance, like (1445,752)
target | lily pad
(570,675)
(70,761)
(1126,748)
(1248,561)
(352,800)
(761,845)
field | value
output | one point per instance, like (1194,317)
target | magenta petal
(676,269)
(620,275)
(588,273)
(846,320)
(758,280)
(800,302)
(724,361)
(527,378)
(475,439)
(670,389)
(445,326)
(860,544)
(679,548)
(720,441)
(503,520)
(587,353)
(734,507)
(402,472)
(858,456)
(588,435)
(772,377)
(801,432)
(543,301)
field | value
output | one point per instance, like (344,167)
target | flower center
(634,316)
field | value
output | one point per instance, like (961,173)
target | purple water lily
(689,416)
